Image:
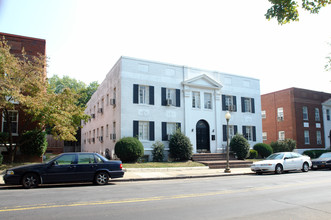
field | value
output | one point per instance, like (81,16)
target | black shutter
(223,103)
(224,133)
(135,93)
(243,104)
(151,95)
(244,132)
(163,96)
(151,131)
(235,129)
(253,105)
(178,126)
(177,97)
(254,133)
(135,128)
(164,131)
(234,99)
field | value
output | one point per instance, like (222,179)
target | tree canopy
(286,11)
(23,88)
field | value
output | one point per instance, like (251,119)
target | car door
(86,167)
(288,162)
(61,169)
(297,161)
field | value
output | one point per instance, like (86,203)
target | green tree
(23,88)
(240,146)
(180,147)
(286,11)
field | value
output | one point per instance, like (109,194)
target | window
(229,103)
(107,99)
(13,117)
(142,94)
(144,130)
(247,105)
(207,101)
(280,114)
(195,99)
(171,96)
(317,114)
(233,129)
(93,139)
(306,134)
(249,132)
(305,112)
(85,158)
(65,160)
(328,114)
(114,131)
(264,114)
(169,128)
(264,136)
(318,137)
(107,130)
(281,135)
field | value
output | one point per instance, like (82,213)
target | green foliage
(129,149)
(34,143)
(240,146)
(253,154)
(288,145)
(158,151)
(286,11)
(1,158)
(264,150)
(314,153)
(180,147)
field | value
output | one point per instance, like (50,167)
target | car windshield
(325,155)
(275,156)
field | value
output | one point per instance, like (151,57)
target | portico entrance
(202,136)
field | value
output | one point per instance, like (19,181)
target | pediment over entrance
(327,102)
(202,81)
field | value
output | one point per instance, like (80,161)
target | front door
(202,133)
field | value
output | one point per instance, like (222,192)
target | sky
(84,39)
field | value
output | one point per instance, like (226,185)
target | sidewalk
(144,174)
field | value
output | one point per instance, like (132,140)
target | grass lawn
(162,164)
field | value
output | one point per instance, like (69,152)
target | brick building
(32,47)
(297,114)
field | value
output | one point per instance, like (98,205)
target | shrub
(264,150)
(158,151)
(288,145)
(34,143)
(314,153)
(252,154)
(180,147)
(129,149)
(1,158)
(240,146)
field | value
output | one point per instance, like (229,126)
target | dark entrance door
(202,133)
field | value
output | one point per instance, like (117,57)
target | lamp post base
(227,170)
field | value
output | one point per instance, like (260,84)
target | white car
(282,161)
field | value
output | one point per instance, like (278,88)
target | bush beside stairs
(218,160)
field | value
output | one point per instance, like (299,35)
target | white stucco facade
(154,98)
(326,108)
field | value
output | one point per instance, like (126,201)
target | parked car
(283,161)
(324,161)
(65,168)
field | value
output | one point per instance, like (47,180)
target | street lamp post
(227,117)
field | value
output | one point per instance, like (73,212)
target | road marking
(158,198)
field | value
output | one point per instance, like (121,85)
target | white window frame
(319,137)
(248,104)
(305,113)
(264,136)
(143,94)
(317,114)
(249,133)
(263,114)
(306,137)
(196,100)
(16,121)
(328,117)
(143,130)
(231,132)
(280,114)
(171,94)
(281,135)
(171,128)
(207,100)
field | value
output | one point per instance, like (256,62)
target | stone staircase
(218,160)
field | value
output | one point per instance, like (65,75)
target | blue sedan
(66,168)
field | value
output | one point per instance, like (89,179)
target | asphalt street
(294,195)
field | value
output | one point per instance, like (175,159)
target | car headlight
(10,172)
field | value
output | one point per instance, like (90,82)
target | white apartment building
(149,100)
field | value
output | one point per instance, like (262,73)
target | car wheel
(30,180)
(305,167)
(279,169)
(101,178)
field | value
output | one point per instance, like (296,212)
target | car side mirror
(285,158)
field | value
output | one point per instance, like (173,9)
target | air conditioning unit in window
(100,110)
(113,101)
(169,102)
